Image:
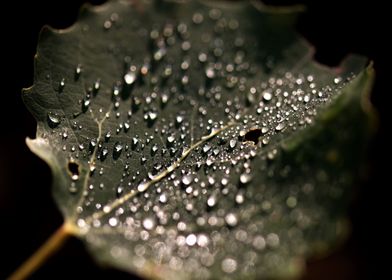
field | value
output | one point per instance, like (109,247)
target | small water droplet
(72,188)
(119,190)
(118,147)
(135,142)
(61,84)
(85,105)
(78,71)
(97,85)
(107,136)
(154,149)
(104,153)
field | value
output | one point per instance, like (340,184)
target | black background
(28,215)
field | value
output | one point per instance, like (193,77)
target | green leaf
(191,140)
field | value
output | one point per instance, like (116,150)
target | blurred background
(28,215)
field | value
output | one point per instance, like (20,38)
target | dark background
(28,215)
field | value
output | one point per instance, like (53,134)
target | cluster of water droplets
(169,144)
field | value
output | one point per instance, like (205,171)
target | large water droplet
(53,120)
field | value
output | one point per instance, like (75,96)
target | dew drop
(61,84)
(210,72)
(231,219)
(267,96)
(148,223)
(163,198)
(53,120)
(118,147)
(280,126)
(78,71)
(130,77)
(113,222)
(187,180)
(232,143)
(119,190)
(245,178)
(191,239)
(206,148)
(229,265)
(211,201)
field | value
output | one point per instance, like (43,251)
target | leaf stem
(53,244)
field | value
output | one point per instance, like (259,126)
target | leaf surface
(190,140)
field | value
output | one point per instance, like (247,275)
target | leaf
(191,140)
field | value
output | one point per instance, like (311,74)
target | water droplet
(72,188)
(206,148)
(118,147)
(113,221)
(130,77)
(142,187)
(291,201)
(53,120)
(159,54)
(197,18)
(202,240)
(148,223)
(191,239)
(163,198)
(229,265)
(187,180)
(97,85)
(259,242)
(211,201)
(170,139)
(245,178)
(210,72)
(61,84)
(135,141)
(85,105)
(107,136)
(154,149)
(280,126)
(104,153)
(78,71)
(239,198)
(232,143)
(231,219)
(119,190)
(179,120)
(267,96)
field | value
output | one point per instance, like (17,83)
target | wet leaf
(197,141)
